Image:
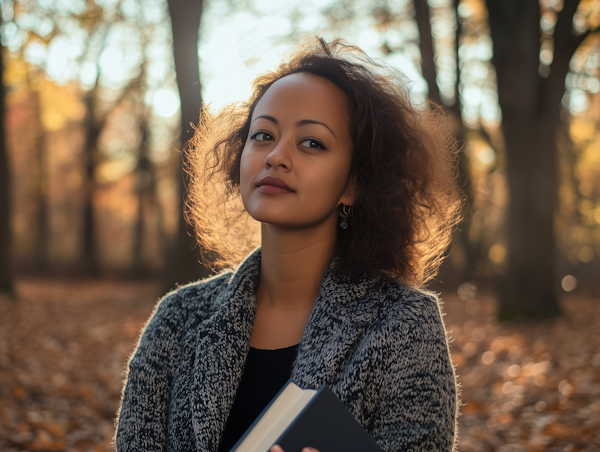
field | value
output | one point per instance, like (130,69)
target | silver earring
(344,216)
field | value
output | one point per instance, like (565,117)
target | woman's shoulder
(407,304)
(196,295)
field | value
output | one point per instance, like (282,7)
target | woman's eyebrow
(310,121)
(303,122)
(270,118)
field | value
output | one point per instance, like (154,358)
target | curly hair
(403,162)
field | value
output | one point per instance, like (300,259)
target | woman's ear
(350,193)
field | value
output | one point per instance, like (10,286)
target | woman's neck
(293,263)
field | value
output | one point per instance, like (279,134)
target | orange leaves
(44,440)
(559,431)
(19,392)
(527,386)
(63,349)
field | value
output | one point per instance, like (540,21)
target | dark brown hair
(403,161)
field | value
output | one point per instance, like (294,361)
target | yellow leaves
(584,206)
(473,8)
(590,158)
(497,253)
(579,209)
(60,105)
(481,154)
(15,71)
(582,130)
(589,10)
(114,170)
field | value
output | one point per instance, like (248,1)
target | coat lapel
(339,319)
(222,346)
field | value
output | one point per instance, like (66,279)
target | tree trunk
(471,254)
(528,289)
(462,261)
(183,260)
(6,277)
(41,186)
(427,51)
(145,187)
(89,250)
(530,113)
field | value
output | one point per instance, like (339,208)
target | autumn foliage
(63,348)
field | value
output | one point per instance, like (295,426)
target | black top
(265,374)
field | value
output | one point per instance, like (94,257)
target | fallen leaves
(527,386)
(532,386)
(63,348)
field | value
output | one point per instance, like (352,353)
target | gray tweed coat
(379,345)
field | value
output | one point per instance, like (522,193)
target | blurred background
(98,97)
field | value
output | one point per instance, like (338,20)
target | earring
(344,216)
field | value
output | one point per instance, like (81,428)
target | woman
(353,190)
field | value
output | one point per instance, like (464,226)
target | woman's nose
(280,156)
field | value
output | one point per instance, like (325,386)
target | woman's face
(295,165)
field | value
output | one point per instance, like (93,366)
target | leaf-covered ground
(533,386)
(63,346)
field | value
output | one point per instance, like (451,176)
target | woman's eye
(261,136)
(313,144)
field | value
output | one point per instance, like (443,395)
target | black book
(298,418)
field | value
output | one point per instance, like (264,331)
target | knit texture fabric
(265,373)
(379,344)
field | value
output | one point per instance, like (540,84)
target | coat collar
(339,318)
(338,321)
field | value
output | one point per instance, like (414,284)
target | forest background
(98,97)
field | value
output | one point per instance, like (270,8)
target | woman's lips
(274,186)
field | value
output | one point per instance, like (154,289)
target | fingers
(277,448)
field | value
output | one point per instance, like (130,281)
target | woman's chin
(288,218)
(274,217)
(295,224)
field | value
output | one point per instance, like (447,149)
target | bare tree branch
(564,25)
(565,41)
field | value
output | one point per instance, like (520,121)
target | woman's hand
(277,448)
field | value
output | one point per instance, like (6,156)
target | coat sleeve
(142,416)
(418,396)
